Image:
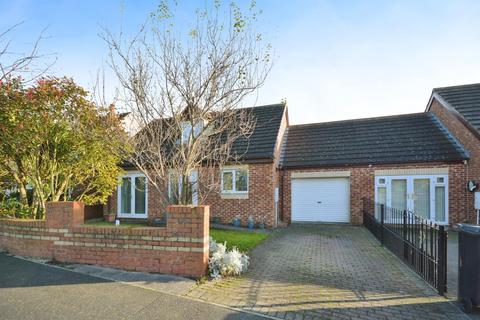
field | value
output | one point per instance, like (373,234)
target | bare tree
(30,65)
(185,88)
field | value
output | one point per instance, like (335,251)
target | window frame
(192,129)
(132,176)
(234,171)
(193,178)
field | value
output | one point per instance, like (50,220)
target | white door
(321,199)
(132,196)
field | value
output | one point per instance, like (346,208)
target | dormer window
(187,129)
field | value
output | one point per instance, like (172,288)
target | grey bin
(469,266)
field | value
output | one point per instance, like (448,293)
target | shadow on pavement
(35,291)
(17,273)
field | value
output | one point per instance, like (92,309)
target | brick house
(458,108)
(321,172)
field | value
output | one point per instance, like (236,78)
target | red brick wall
(64,214)
(469,141)
(260,203)
(362,184)
(179,248)
(93,211)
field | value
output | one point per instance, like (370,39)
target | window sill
(234,195)
(132,216)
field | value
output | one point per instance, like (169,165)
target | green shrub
(12,208)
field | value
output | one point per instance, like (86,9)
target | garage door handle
(319,201)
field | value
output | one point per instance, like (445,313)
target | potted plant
(109,216)
(261,224)
(237,222)
(250,223)
(217,220)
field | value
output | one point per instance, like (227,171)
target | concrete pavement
(30,290)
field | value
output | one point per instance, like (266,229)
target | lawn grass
(244,241)
(102,223)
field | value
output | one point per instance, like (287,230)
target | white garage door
(321,199)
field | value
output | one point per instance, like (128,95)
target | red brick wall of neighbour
(93,211)
(180,248)
(260,203)
(469,141)
(362,184)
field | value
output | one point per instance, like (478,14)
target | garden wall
(181,247)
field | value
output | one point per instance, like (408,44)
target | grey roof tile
(261,143)
(393,139)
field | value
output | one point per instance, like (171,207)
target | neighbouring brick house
(321,172)
(458,108)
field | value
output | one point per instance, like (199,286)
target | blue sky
(333,59)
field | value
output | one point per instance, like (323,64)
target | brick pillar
(65,214)
(192,222)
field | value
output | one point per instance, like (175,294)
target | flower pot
(261,225)
(236,222)
(250,224)
(109,217)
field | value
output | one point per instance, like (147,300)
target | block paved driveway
(328,272)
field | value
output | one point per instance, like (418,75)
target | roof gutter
(362,165)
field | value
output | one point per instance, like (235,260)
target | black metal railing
(420,243)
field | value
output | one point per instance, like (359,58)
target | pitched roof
(261,143)
(465,99)
(395,139)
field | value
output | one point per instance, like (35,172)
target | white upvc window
(132,196)
(424,195)
(234,180)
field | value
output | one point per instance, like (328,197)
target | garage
(321,200)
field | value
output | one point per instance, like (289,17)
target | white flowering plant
(225,262)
